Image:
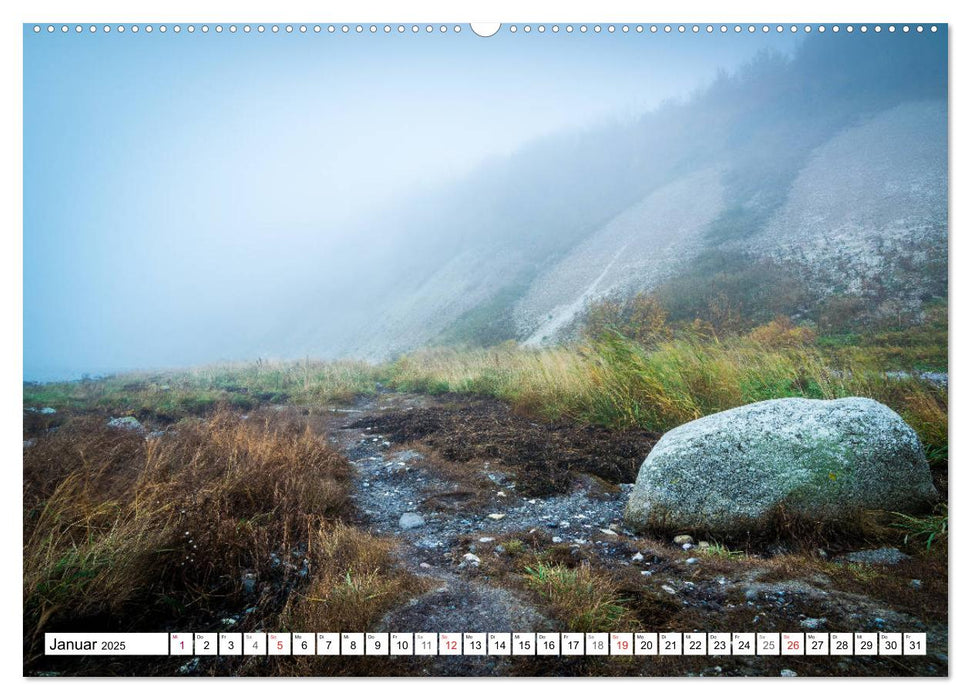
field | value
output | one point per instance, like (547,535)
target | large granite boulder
(823,460)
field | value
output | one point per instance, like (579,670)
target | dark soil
(546,457)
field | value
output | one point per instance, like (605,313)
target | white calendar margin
(450,11)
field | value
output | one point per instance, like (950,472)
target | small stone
(883,555)
(667,589)
(126,423)
(916,583)
(637,557)
(557,540)
(424,565)
(702,544)
(686,546)
(472,559)
(812,623)
(410,521)
(47,411)
(608,532)
(751,594)
(691,560)
(496,516)
(647,573)
(788,673)
(564,523)
(487,540)
(682,540)
(501,494)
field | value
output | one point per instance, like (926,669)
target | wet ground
(473,493)
(456,481)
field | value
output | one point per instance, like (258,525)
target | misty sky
(175,184)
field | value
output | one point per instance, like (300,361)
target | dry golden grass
(354,580)
(114,522)
(548,381)
(619,383)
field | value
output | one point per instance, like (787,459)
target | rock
(47,411)
(788,673)
(496,516)
(410,521)
(557,540)
(686,546)
(883,555)
(608,532)
(637,557)
(487,540)
(916,583)
(472,559)
(424,565)
(691,560)
(824,460)
(564,523)
(812,623)
(667,589)
(126,423)
(682,540)
(702,544)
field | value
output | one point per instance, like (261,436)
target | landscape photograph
(534,329)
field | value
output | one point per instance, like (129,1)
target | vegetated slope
(869,210)
(867,216)
(832,161)
(636,249)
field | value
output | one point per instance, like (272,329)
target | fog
(191,199)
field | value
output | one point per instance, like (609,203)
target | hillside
(829,166)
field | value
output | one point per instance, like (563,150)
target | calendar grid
(488,644)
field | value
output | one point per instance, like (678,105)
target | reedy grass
(927,528)
(114,522)
(618,383)
(584,599)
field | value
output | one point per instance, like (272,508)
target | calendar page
(604,348)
